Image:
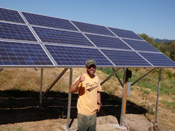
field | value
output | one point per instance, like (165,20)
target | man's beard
(91,72)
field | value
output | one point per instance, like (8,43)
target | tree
(147,38)
(171,48)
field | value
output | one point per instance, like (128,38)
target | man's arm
(74,87)
(99,100)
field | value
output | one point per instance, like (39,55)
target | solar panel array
(32,40)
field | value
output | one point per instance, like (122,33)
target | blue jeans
(86,123)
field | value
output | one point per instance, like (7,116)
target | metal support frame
(124,99)
(158,90)
(40,106)
(115,71)
(142,77)
(118,77)
(54,82)
(69,99)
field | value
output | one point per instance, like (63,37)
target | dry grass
(29,79)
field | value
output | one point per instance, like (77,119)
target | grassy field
(143,93)
(150,81)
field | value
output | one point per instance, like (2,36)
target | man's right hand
(74,87)
(82,78)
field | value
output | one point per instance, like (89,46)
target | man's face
(91,69)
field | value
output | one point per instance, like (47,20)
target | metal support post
(69,99)
(158,95)
(123,98)
(41,88)
(125,93)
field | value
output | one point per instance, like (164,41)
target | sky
(156,18)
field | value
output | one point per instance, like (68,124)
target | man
(89,98)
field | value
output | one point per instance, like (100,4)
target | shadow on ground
(23,106)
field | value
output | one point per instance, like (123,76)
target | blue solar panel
(17,32)
(48,21)
(140,45)
(158,59)
(22,54)
(125,33)
(110,42)
(59,36)
(67,56)
(92,28)
(10,15)
(126,58)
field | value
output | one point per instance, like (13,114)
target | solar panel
(48,21)
(140,45)
(76,56)
(59,36)
(22,54)
(109,42)
(14,31)
(70,43)
(126,58)
(92,28)
(158,60)
(10,15)
(125,33)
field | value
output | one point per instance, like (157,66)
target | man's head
(91,67)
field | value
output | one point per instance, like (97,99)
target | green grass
(145,92)
(169,105)
(170,74)
(110,71)
(16,129)
(150,81)
(111,92)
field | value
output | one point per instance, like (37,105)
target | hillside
(19,98)
(163,40)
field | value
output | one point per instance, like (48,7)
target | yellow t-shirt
(87,98)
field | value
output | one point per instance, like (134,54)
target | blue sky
(156,18)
